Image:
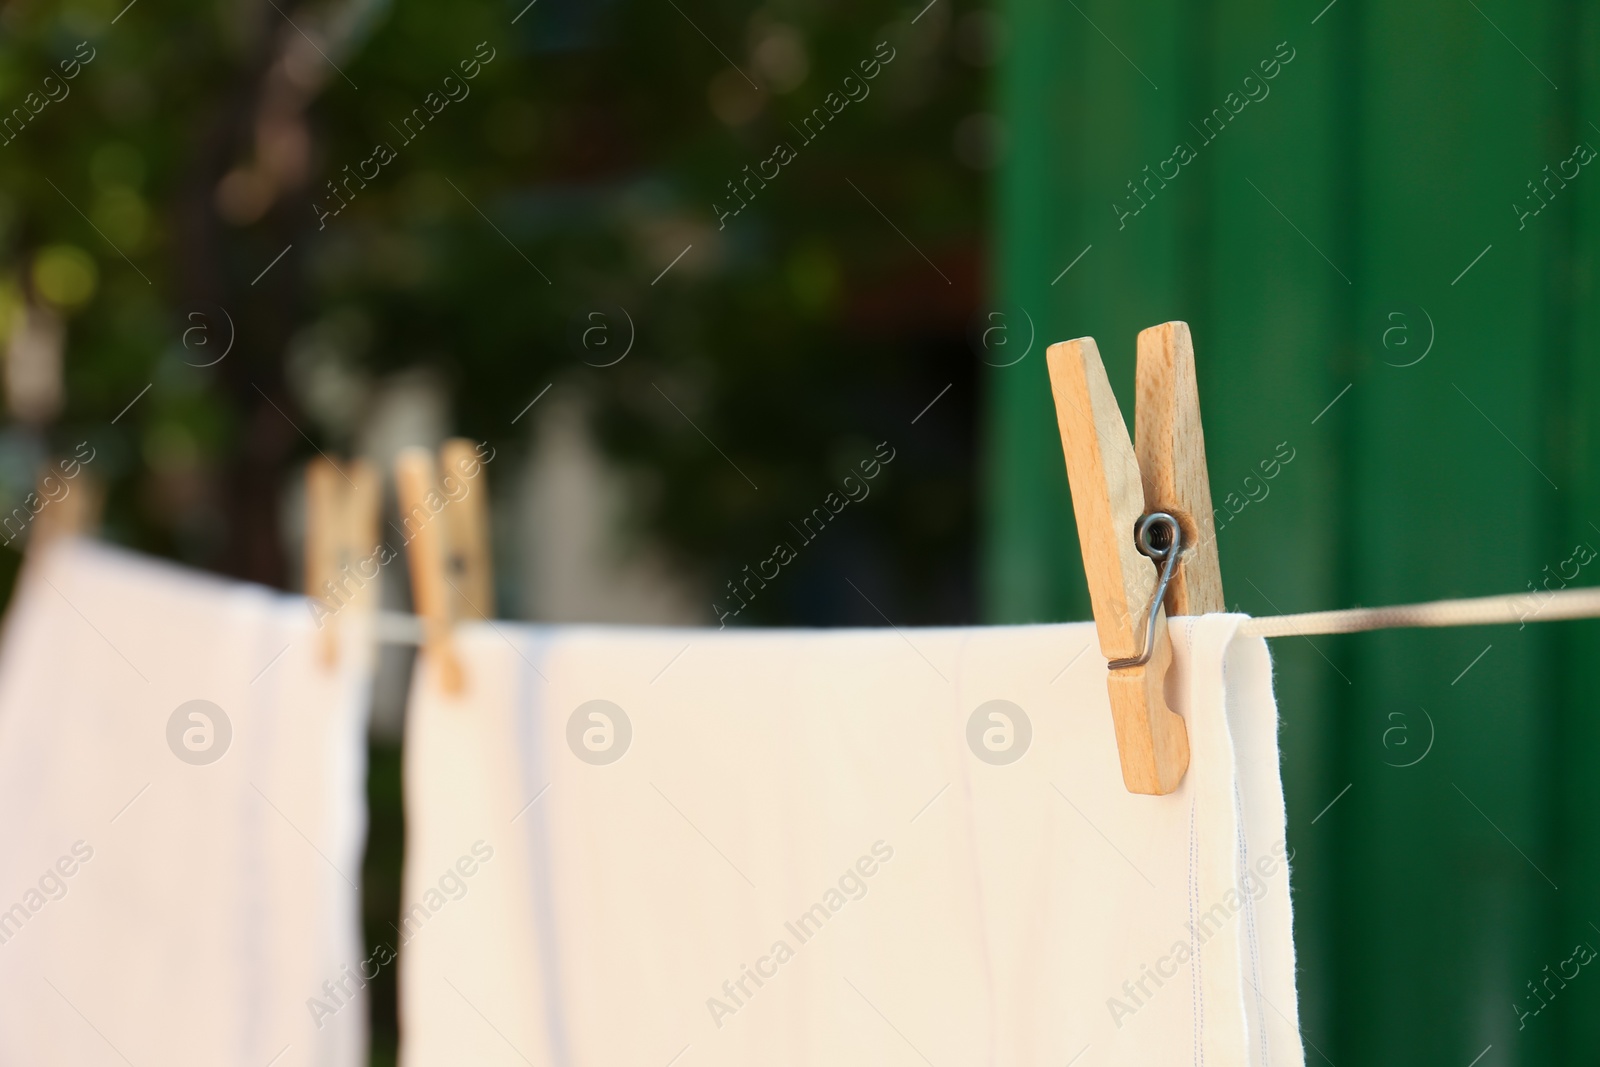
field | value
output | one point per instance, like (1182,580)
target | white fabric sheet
(162,911)
(800,857)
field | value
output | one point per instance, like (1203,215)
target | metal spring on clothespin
(1160,537)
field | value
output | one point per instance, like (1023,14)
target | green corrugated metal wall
(1315,244)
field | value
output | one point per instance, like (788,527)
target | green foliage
(593,146)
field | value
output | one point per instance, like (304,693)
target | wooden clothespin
(427,544)
(341,547)
(68,498)
(468,563)
(1133,509)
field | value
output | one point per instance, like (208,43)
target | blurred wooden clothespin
(445,521)
(342,554)
(66,502)
(1145,528)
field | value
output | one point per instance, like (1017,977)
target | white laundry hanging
(838,847)
(184,788)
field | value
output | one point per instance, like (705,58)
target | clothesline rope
(397,628)
(1549,606)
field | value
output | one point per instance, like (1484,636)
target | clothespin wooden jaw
(69,499)
(427,548)
(341,544)
(1113,487)
(468,562)
(321,549)
(1171,447)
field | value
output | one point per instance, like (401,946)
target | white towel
(164,909)
(845,847)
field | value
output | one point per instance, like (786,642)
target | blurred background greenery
(223,249)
